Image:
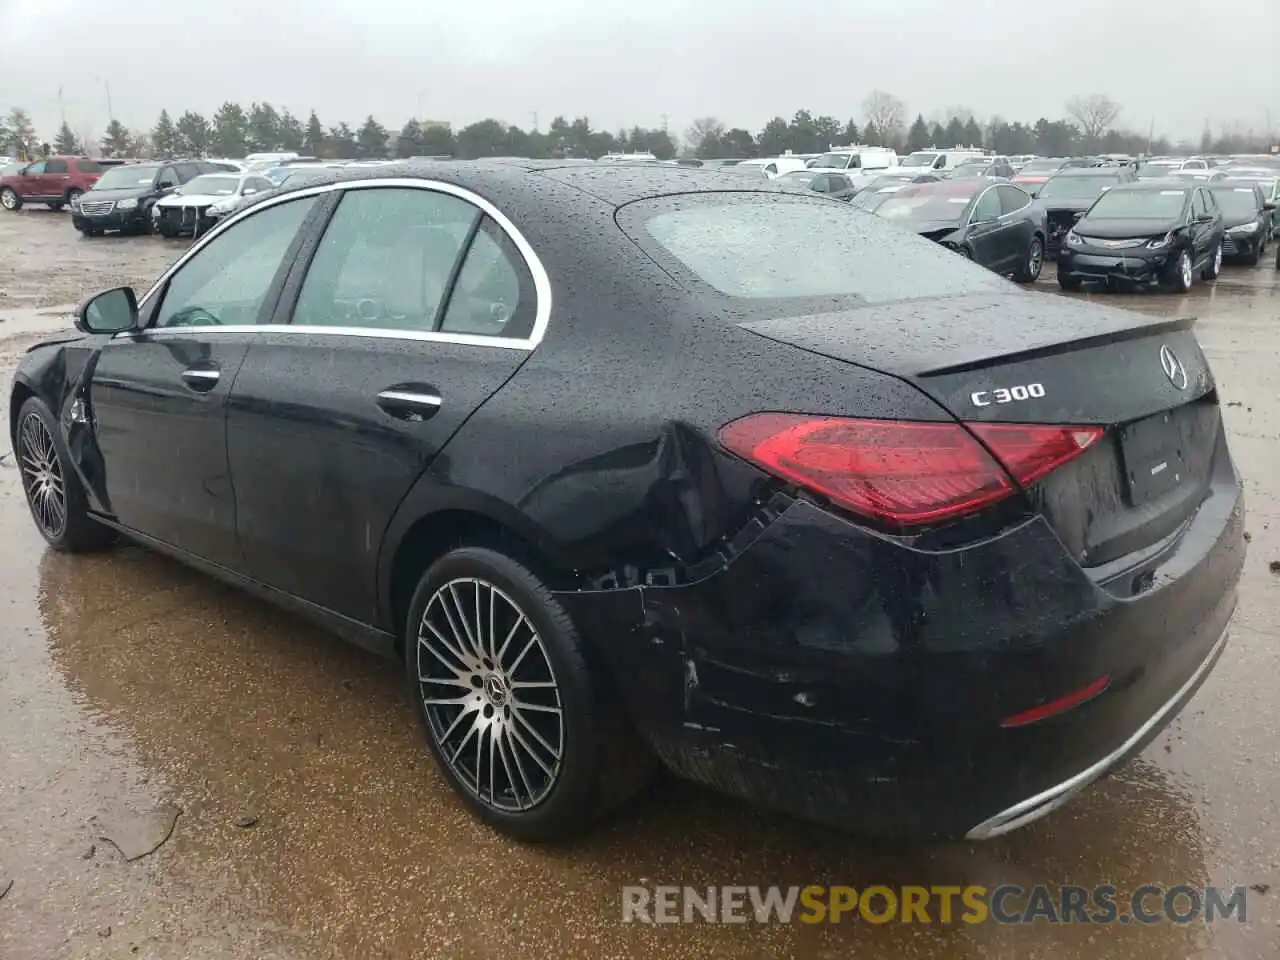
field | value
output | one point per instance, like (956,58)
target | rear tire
(56,205)
(10,200)
(73,195)
(538,765)
(52,487)
(1033,262)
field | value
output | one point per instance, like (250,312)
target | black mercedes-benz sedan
(994,224)
(1068,194)
(627,465)
(1153,231)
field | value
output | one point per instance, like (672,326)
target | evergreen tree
(164,137)
(66,143)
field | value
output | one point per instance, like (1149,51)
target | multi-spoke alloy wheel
(490,695)
(42,477)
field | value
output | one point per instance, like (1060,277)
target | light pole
(106,85)
(418,116)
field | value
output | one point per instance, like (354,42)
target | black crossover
(628,466)
(1164,232)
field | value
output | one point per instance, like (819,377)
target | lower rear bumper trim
(1043,803)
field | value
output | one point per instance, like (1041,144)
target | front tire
(52,487)
(55,205)
(519,723)
(1070,284)
(1214,266)
(10,200)
(1032,263)
(1180,276)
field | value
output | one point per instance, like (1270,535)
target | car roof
(966,187)
(1088,172)
(522,182)
(1157,183)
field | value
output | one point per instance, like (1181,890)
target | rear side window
(55,166)
(761,246)
(386,260)
(88,166)
(494,294)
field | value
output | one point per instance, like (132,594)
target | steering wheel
(193,317)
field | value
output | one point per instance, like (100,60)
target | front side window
(227,281)
(769,247)
(1199,207)
(1012,199)
(987,207)
(385,260)
(35,169)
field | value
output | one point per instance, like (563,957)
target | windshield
(919,159)
(212,184)
(968,169)
(1075,188)
(871,200)
(1041,166)
(924,208)
(831,161)
(1236,201)
(126,177)
(1139,205)
(798,177)
(757,246)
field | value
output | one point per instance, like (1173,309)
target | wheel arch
(416,540)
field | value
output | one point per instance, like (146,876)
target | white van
(936,159)
(856,158)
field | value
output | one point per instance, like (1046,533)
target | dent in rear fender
(58,373)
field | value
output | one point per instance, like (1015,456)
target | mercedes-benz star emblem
(1173,368)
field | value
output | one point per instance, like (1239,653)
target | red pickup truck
(55,181)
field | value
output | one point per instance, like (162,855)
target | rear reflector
(905,472)
(1061,705)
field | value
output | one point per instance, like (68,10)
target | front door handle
(201,379)
(408,403)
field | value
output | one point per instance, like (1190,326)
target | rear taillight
(905,472)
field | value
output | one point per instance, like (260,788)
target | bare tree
(1095,113)
(704,136)
(885,113)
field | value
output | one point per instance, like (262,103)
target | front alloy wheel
(1215,265)
(490,695)
(42,477)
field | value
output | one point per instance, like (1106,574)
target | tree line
(1089,126)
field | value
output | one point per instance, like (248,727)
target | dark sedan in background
(122,197)
(994,224)
(879,190)
(829,183)
(1152,231)
(636,464)
(1033,175)
(983,167)
(1068,194)
(1248,216)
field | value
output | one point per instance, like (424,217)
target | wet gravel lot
(297,814)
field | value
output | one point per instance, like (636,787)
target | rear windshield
(1139,205)
(766,247)
(918,207)
(1075,188)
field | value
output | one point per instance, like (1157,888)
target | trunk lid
(1027,358)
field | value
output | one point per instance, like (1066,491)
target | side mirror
(108,312)
(1268,205)
(249,191)
(1077,217)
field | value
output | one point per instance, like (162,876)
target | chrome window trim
(541,281)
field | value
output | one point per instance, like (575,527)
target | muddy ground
(296,813)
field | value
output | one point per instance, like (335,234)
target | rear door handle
(410,403)
(201,379)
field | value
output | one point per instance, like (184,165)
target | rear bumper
(850,678)
(1132,266)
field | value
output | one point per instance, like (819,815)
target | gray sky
(629,63)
